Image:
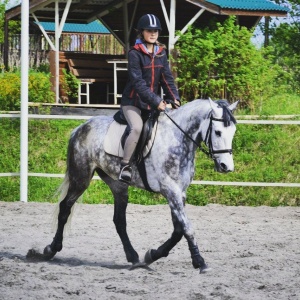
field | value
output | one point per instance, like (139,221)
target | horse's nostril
(224,167)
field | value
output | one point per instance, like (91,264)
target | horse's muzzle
(222,167)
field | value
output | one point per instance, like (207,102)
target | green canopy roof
(248,5)
(93,27)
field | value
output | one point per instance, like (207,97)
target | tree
(269,24)
(2,20)
(285,43)
(221,62)
(14,27)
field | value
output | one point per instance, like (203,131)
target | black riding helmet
(149,22)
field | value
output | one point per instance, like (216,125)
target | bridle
(208,139)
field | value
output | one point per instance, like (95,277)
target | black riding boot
(125,173)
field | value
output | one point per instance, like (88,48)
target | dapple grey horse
(169,168)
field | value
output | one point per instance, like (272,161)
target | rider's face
(150,35)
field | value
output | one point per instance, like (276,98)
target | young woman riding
(148,70)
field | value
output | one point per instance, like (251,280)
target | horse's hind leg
(121,201)
(75,189)
(120,193)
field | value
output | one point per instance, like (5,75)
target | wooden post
(5,54)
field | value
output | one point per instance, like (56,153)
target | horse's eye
(218,133)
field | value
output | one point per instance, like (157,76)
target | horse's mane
(227,113)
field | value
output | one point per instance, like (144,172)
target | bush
(39,86)
(69,84)
(221,62)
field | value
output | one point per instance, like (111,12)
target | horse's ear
(213,105)
(233,106)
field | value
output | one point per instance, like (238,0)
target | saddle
(118,132)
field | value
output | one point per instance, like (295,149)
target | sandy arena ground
(254,253)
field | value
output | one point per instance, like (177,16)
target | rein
(207,140)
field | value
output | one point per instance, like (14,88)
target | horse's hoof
(138,265)
(48,253)
(205,269)
(34,255)
(148,260)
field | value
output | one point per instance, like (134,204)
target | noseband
(208,140)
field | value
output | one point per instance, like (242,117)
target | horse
(169,167)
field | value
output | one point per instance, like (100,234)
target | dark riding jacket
(147,73)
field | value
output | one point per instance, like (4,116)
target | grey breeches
(134,119)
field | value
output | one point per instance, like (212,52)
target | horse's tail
(61,193)
(63,188)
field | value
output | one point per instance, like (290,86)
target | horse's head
(219,135)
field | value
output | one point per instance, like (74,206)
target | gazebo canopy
(120,16)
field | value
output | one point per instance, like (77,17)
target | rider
(148,69)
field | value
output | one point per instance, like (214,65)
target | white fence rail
(228,183)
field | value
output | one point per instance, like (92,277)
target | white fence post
(24,100)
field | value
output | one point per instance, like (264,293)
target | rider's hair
(140,36)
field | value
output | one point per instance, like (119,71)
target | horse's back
(96,125)
(89,136)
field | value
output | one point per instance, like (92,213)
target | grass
(283,104)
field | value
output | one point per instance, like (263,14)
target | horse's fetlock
(56,246)
(197,259)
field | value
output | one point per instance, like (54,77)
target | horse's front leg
(163,251)
(197,260)
(182,227)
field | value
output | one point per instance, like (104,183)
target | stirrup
(125,174)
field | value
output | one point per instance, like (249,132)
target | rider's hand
(162,105)
(177,102)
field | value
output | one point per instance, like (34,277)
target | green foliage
(2,12)
(285,45)
(10,91)
(221,62)
(70,84)
(39,89)
(282,35)
(262,153)
(284,104)
(44,68)
(14,27)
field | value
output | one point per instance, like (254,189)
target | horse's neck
(190,117)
